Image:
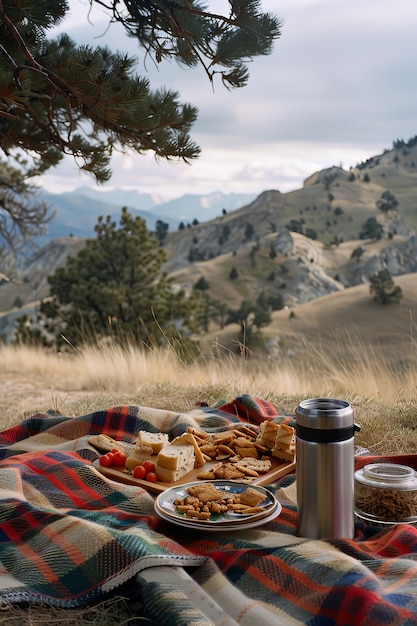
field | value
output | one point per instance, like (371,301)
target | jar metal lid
(388,475)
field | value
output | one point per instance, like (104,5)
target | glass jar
(386,493)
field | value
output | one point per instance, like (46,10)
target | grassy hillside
(352,319)
(343,340)
(333,203)
(330,210)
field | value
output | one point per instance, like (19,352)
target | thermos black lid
(325,420)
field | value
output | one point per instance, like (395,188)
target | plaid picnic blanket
(70,537)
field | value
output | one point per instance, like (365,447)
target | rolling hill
(308,246)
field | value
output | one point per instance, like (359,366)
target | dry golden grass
(384,399)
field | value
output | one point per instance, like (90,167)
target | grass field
(385,404)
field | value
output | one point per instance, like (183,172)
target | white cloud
(339,87)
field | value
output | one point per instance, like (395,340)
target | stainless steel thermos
(325,468)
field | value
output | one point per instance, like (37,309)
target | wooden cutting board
(279,468)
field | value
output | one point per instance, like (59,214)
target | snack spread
(243,453)
(205,499)
(239,454)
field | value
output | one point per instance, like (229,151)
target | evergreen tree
(115,287)
(219,311)
(161,231)
(372,229)
(225,232)
(202,284)
(58,97)
(251,317)
(383,288)
(387,202)
(249,231)
(357,253)
(22,214)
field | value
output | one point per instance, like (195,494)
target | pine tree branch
(159,16)
(52,78)
(53,89)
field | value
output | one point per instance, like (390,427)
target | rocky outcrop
(397,259)
(284,243)
(311,282)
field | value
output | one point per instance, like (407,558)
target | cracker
(228,471)
(226,450)
(205,492)
(246,431)
(251,497)
(259,465)
(209,449)
(247,451)
(247,470)
(224,437)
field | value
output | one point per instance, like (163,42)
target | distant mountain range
(76,212)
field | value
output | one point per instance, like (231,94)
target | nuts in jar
(386,493)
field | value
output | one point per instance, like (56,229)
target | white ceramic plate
(186,523)
(165,507)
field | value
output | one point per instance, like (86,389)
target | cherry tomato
(114,450)
(149,466)
(151,477)
(119,459)
(104,460)
(139,471)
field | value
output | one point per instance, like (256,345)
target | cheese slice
(174,457)
(138,456)
(171,476)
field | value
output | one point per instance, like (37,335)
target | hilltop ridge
(300,245)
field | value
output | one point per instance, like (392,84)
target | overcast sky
(339,87)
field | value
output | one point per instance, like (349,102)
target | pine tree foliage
(383,288)
(115,287)
(57,97)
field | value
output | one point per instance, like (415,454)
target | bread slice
(173,462)
(284,447)
(188,439)
(267,433)
(156,440)
(284,455)
(174,457)
(285,435)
